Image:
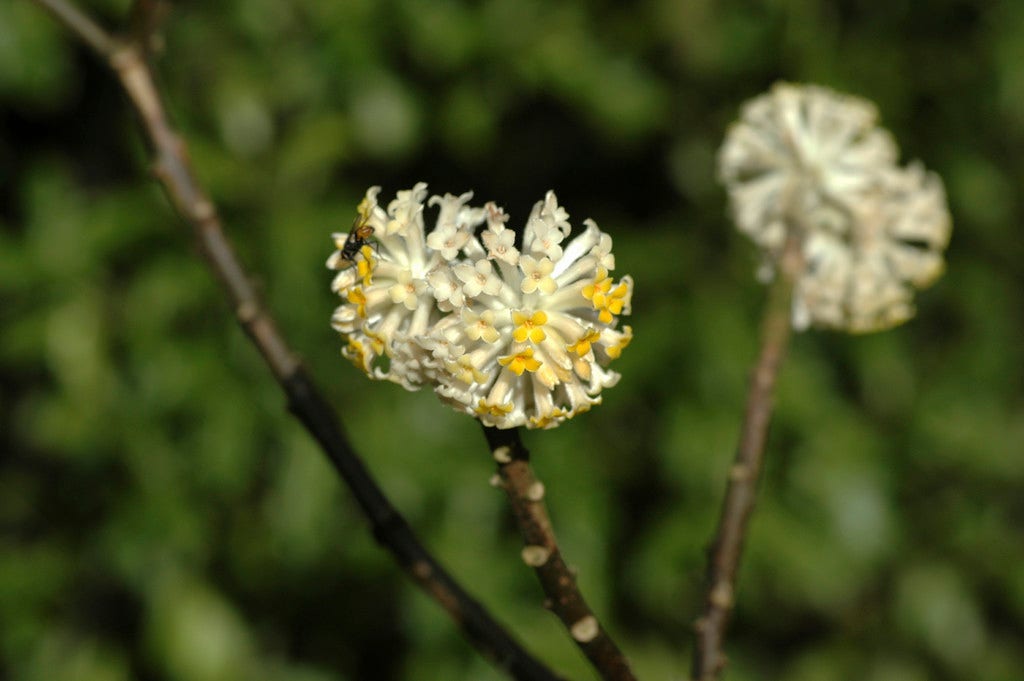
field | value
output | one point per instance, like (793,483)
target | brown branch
(741,493)
(147,18)
(541,552)
(305,401)
(82,25)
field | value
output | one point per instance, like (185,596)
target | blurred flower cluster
(808,162)
(514,335)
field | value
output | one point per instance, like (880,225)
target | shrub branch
(174,171)
(540,551)
(741,492)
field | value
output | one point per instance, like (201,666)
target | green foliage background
(161,518)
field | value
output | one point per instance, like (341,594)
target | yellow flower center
(529,327)
(358,298)
(518,363)
(495,410)
(366,265)
(582,346)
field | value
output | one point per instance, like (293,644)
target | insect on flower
(356,239)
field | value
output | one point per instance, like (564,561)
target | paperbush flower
(516,336)
(393,291)
(810,162)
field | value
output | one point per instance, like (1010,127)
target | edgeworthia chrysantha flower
(514,332)
(808,162)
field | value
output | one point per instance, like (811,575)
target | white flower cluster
(808,161)
(516,336)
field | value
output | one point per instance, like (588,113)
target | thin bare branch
(91,33)
(741,493)
(540,551)
(147,18)
(174,171)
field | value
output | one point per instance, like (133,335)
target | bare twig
(741,493)
(173,169)
(147,18)
(81,25)
(541,552)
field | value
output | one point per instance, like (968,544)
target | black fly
(356,239)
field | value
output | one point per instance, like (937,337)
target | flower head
(389,296)
(514,336)
(810,163)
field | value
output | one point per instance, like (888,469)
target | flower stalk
(847,235)
(540,551)
(175,173)
(741,491)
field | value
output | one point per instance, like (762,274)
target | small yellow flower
(549,419)
(358,298)
(596,291)
(377,342)
(464,369)
(617,298)
(366,265)
(355,353)
(608,301)
(518,363)
(495,410)
(615,351)
(582,346)
(529,327)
